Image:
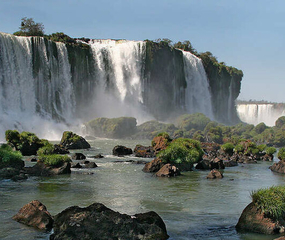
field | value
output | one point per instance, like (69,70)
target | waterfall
(197,96)
(48,87)
(35,85)
(257,113)
(120,73)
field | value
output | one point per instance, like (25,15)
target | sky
(246,34)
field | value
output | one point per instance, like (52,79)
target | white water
(27,102)
(257,113)
(198,97)
(38,91)
(121,77)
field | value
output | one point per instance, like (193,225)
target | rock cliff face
(142,79)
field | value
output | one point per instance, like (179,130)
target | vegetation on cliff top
(271,201)
(9,157)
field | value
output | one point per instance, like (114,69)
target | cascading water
(35,85)
(45,85)
(257,113)
(120,75)
(197,96)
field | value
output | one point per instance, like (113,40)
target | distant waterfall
(257,113)
(35,83)
(197,96)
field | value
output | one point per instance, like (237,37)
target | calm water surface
(192,206)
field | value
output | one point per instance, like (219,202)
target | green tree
(30,28)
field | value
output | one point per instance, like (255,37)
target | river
(191,206)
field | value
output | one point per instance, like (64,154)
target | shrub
(270,150)
(55,160)
(281,154)
(182,150)
(8,157)
(271,201)
(239,148)
(198,121)
(261,147)
(48,149)
(228,148)
(280,122)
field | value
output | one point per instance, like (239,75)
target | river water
(191,206)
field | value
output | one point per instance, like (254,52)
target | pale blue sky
(247,34)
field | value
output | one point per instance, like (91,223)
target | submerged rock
(78,156)
(35,214)
(215,174)
(99,222)
(253,219)
(41,169)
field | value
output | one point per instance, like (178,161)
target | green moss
(182,151)
(8,157)
(271,201)
(197,121)
(228,148)
(54,160)
(270,150)
(281,154)
(48,149)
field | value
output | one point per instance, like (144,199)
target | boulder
(99,222)
(168,170)
(90,165)
(144,152)
(59,149)
(153,166)
(267,157)
(41,169)
(97,156)
(76,165)
(215,174)
(159,143)
(8,173)
(207,164)
(71,140)
(35,214)
(278,167)
(120,150)
(253,219)
(78,156)
(230,163)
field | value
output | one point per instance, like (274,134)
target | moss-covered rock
(26,142)
(71,140)
(197,121)
(10,158)
(112,127)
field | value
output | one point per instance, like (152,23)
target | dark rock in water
(76,165)
(253,219)
(60,149)
(78,156)
(97,156)
(71,140)
(168,170)
(144,152)
(153,166)
(267,157)
(120,150)
(8,173)
(278,167)
(99,222)
(206,164)
(35,214)
(90,165)
(230,163)
(40,169)
(215,174)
